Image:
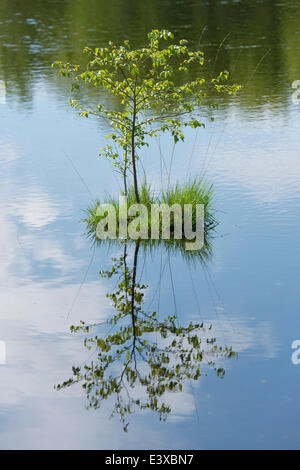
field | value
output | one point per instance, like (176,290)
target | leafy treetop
(145,81)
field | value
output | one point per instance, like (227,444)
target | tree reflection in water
(142,357)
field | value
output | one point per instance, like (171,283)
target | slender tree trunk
(125,184)
(125,270)
(136,251)
(135,183)
(125,175)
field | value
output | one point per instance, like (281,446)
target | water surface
(248,288)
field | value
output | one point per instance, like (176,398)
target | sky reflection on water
(49,273)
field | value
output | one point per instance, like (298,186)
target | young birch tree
(153,86)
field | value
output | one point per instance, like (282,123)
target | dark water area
(245,290)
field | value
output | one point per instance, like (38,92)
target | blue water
(248,290)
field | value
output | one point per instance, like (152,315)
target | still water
(247,287)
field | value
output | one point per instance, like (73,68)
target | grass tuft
(192,192)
